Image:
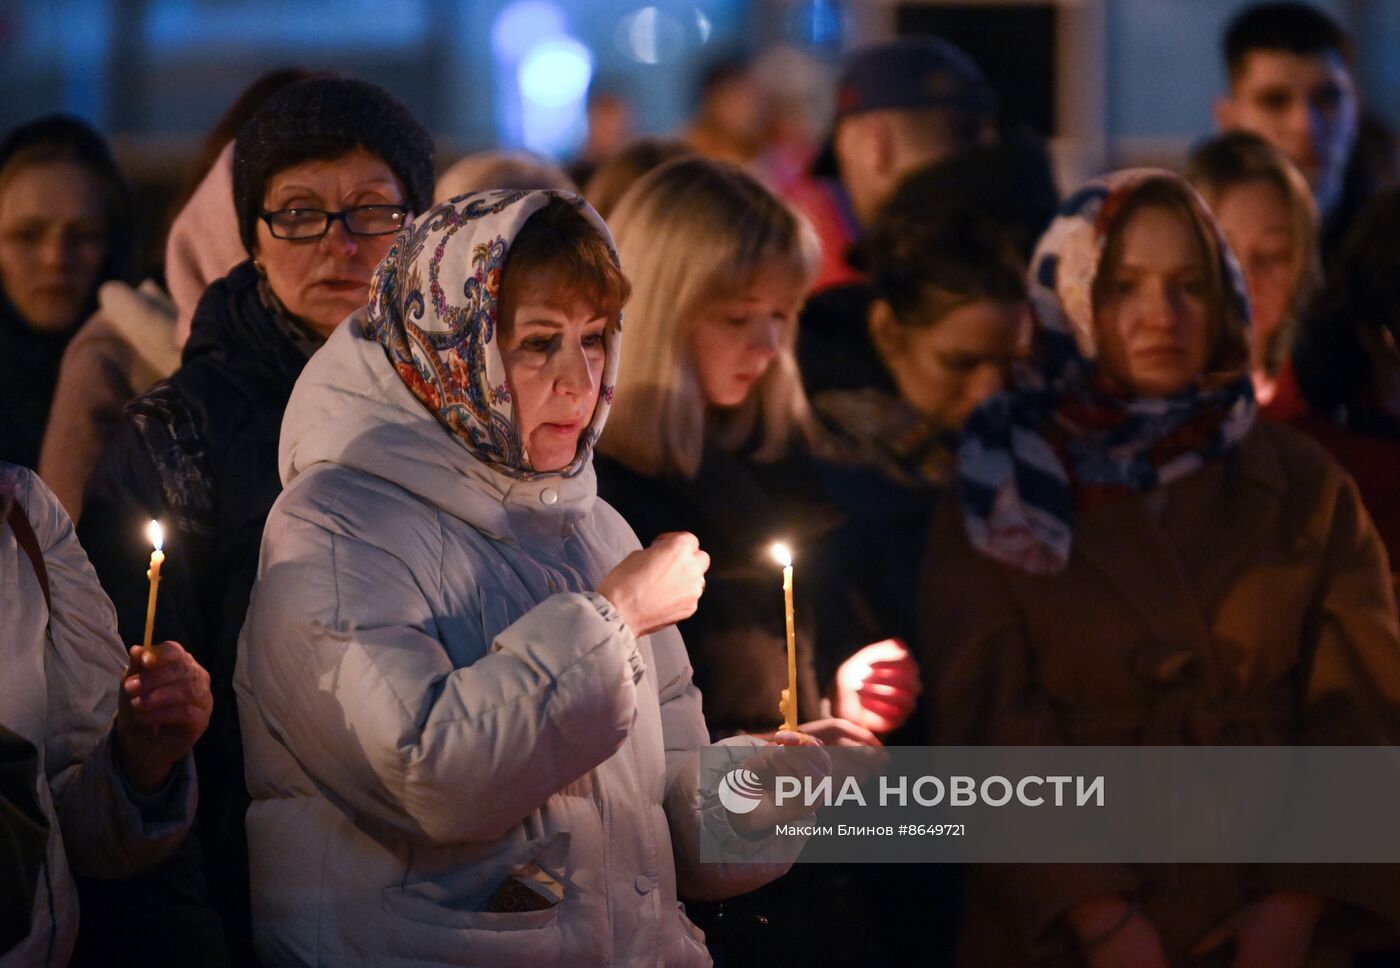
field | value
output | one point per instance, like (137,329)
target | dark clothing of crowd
(737,643)
(29,362)
(1169,587)
(200,453)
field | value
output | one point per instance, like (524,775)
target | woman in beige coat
(1133,560)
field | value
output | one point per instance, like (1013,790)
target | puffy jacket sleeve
(343,664)
(106,833)
(685,734)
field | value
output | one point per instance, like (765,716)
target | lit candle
(157,537)
(788,705)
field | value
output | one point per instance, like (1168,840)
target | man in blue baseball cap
(903,105)
(900,105)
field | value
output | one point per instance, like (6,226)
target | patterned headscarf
(433,304)
(1064,434)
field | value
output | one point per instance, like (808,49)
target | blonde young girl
(711,434)
(1267,214)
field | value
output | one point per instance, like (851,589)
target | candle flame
(781,554)
(156,534)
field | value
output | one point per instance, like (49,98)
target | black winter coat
(736,640)
(877,550)
(199,453)
(737,647)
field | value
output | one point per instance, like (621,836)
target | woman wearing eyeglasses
(324,175)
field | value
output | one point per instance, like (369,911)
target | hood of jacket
(412,389)
(144,318)
(203,243)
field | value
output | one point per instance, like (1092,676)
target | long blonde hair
(1239,158)
(687,231)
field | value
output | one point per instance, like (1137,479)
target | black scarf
(241,323)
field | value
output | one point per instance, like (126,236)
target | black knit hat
(325,117)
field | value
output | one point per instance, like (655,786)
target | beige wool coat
(1248,603)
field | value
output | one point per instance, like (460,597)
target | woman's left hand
(163,707)
(1272,932)
(792,754)
(878,687)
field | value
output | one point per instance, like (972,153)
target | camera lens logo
(740,791)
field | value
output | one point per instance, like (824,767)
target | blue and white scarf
(1062,434)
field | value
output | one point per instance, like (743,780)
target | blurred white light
(521,25)
(651,35)
(702,24)
(642,35)
(556,72)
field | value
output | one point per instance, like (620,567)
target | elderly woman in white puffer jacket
(462,745)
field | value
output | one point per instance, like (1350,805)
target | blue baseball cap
(911,73)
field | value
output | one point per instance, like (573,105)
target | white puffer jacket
(432,696)
(60,668)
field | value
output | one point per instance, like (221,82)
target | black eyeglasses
(312,223)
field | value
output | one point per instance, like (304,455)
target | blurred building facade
(1109,82)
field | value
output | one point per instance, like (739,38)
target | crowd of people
(459,581)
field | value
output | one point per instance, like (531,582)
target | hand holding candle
(163,707)
(157,536)
(788,705)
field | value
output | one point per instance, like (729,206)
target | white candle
(788,705)
(157,536)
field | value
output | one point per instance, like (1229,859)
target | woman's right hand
(659,585)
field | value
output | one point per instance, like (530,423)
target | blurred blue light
(521,25)
(820,22)
(556,73)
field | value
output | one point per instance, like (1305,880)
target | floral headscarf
(1065,434)
(433,304)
